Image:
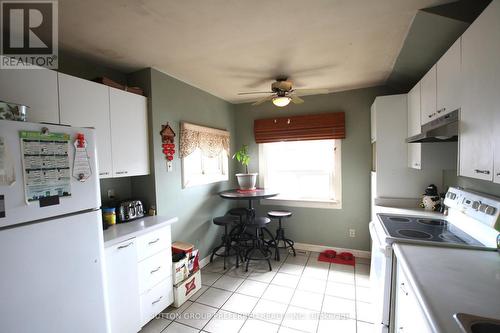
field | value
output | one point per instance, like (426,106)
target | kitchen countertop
(122,231)
(449,280)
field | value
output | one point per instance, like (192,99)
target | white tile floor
(299,295)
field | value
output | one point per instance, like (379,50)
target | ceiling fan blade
(296,99)
(312,91)
(263,100)
(255,92)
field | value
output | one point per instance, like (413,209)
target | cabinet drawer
(153,243)
(154,269)
(156,300)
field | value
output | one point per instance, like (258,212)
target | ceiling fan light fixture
(281,101)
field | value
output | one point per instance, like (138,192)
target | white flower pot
(247,181)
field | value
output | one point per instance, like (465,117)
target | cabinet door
(36,88)
(85,103)
(428,96)
(123,288)
(480,97)
(449,80)
(129,133)
(409,316)
(414,149)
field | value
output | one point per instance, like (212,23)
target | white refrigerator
(51,242)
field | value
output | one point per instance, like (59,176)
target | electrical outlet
(111,194)
(352,232)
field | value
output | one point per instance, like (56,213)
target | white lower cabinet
(139,274)
(123,286)
(409,316)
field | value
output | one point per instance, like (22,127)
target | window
(197,169)
(204,153)
(305,173)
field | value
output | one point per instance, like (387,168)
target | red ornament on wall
(168,144)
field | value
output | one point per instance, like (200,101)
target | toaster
(130,210)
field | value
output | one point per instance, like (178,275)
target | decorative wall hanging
(211,141)
(168,144)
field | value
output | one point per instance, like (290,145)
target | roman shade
(297,128)
(211,141)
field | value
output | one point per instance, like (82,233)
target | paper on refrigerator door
(7,174)
(45,165)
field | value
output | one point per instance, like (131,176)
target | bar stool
(259,244)
(280,232)
(227,242)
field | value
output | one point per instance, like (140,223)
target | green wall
(173,101)
(327,227)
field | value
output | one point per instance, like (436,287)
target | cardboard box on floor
(186,272)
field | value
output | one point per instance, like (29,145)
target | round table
(258,194)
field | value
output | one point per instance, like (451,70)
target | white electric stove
(472,221)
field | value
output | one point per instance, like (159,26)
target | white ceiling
(230,46)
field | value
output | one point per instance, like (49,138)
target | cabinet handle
(403,289)
(159,299)
(484,172)
(155,270)
(155,241)
(103,173)
(124,246)
(121,172)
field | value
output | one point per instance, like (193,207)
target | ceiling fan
(282,93)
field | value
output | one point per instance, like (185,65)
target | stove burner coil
(399,219)
(410,233)
(432,222)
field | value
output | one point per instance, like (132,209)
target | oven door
(380,278)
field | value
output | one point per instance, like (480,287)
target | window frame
(205,180)
(308,203)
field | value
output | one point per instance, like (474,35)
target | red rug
(344,258)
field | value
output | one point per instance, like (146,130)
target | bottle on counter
(109,216)
(152,210)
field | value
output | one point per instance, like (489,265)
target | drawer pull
(155,270)
(154,302)
(484,172)
(124,246)
(155,241)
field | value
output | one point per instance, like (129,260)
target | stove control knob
(490,210)
(483,207)
(476,205)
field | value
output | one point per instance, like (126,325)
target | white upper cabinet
(428,96)
(480,94)
(85,103)
(129,133)
(449,80)
(414,149)
(36,88)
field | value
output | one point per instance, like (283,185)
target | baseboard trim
(313,248)
(205,261)
(321,248)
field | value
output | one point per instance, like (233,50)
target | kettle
(431,199)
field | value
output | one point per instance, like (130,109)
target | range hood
(442,129)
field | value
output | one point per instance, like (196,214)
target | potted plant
(247,180)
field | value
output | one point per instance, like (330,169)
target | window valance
(211,141)
(308,127)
